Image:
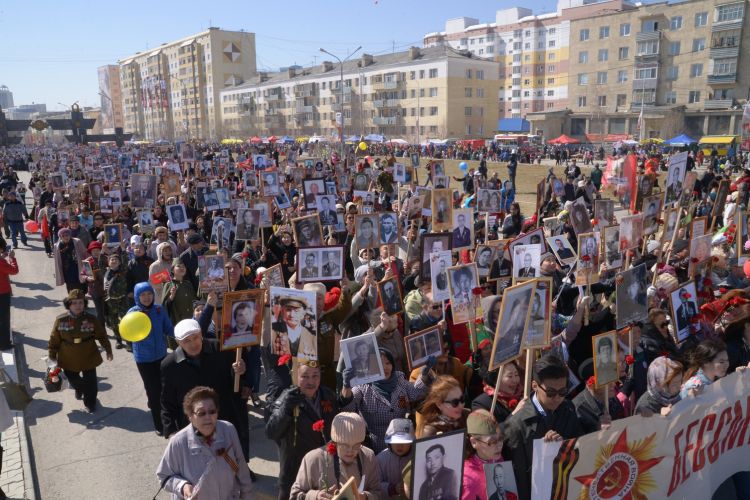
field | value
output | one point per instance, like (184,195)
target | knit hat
(194,239)
(64,232)
(400,431)
(238,258)
(481,423)
(186,328)
(348,428)
(93,245)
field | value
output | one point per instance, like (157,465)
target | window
(672,73)
(467,92)
(694,96)
(622,76)
(550,93)
(467,111)
(674,48)
(645,73)
(517,46)
(583,35)
(675,23)
(601,77)
(701,19)
(433,73)
(699,44)
(551,56)
(647,48)
(622,99)
(540,45)
(433,110)
(550,81)
(601,100)
(647,96)
(604,32)
(413,93)
(421,92)
(583,79)
(433,92)
(421,75)
(623,53)
(670,97)
(517,57)
(550,105)
(480,93)
(583,57)
(479,74)
(527,45)
(581,101)
(551,43)
(464,41)
(625,29)
(729,12)
(528,33)
(468,74)
(603,55)
(551,68)
(472,41)
(527,93)
(725,66)
(696,70)
(650,26)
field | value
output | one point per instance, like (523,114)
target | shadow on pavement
(34,286)
(130,419)
(34,303)
(31,341)
(40,408)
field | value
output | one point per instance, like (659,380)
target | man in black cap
(190,257)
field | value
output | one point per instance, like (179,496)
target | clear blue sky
(49,51)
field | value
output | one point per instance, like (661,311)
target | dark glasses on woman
(455,402)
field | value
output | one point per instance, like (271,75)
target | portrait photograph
(177,216)
(326,208)
(539,329)
(512,322)
(282,199)
(526,261)
(558,188)
(388,222)
(361,182)
(698,226)
(399,172)
(687,188)
(684,303)
(675,174)
(579,217)
(96,191)
(222,195)
(462,280)
(266,210)
(500,481)
(552,226)
(700,250)
(270,183)
(721,199)
(221,232)
(212,275)
(605,358)
(273,276)
(143,190)
(604,211)
(250,181)
(463,228)
(362,355)
(145,221)
(645,189)
(411,175)
(112,234)
(248,224)
(413,207)
(613,256)
(171,185)
(535,237)
(294,323)
(415,159)
(437,467)
(442,209)
(389,291)
(57,180)
(439,264)
(437,169)
(483,258)
(426,195)
(211,200)
(108,172)
(187,152)
(307,231)
(331,188)
(260,162)
(651,213)
(242,319)
(105,205)
(587,271)
(367,231)
(431,243)
(670,224)
(562,249)
(332,263)
(421,345)
(344,182)
(441,182)
(631,231)
(312,188)
(631,296)
(308,264)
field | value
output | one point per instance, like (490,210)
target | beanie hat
(348,428)
(93,245)
(481,423)
(64,232)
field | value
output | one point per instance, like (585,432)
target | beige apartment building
(110,93)
(418,94)
(172,92)
(678,65)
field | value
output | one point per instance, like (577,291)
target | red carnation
(245,255)
(284,359)
(694,260)
(594,222)
(586,258)
(331,448)
(715,258)
(478,321)
(708,282)
(318,425)
(477,290)
(723,290)
(635,212)
(664,353)
(629,359)
(591,381)
(688,295)
(660,265)
(512,404)
(694,319)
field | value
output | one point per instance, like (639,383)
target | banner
(688,454)
(745,144)
(619,175)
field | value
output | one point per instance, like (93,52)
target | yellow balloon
(362,146)
(135,326)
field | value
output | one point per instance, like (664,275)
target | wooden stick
(630,341)
(606,399)
(527,373)
(588,293)
(237,359)
(497,389)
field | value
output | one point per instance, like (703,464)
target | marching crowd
(328,427)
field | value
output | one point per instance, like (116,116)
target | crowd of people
(448,385)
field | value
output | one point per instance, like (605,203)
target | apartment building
(679,64)
(417,94)
(110,93)
(172,92)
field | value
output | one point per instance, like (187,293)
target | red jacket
(8,267)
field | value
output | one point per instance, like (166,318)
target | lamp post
(341,89)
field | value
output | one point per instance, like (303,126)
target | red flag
(160,277)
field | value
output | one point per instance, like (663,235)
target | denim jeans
(16,228)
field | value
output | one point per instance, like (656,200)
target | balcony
(646,36)
(647,56)
(272,120)
(724,51)
(385,120)
(304,109)
(722,79)
(387,84)
(386,103)
(734,24)
(307,90)
(645,83)
(635,107)
(718,104)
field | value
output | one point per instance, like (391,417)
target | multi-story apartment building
(6,97)
(417,94)
(110,92)
(172,92)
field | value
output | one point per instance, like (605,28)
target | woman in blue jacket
(149,352)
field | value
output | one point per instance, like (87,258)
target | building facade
(6,97)
(417,94)
(172,92)
(110,92)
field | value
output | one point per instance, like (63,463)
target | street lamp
(341,89)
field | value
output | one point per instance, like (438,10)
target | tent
(680,140)
(564,139)
(318,138)
(273,139)
(352,138)
(287,140)
(374,138)
(400,142)
(255,140)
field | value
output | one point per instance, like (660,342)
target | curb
(30,483)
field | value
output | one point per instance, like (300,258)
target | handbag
(53,385)
(16,395)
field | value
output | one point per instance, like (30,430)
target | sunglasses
(455,402)
(551,393)
(664,325)
(437,307)
(202,414)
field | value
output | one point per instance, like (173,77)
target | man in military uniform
(441,482)
(72,344)
(289,335)
(310,270)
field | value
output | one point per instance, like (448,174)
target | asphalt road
(113,453)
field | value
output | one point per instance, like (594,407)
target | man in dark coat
(190,257)
(291,420)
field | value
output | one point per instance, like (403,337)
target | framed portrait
(399,172)
(212,275)
(437,470)
(437,169)
(248,224)
(274,276)
(539,329)
(552,226)
(294,323)
(526,261)
(484,256)
(630,291)
(389,291)
(362,355)
(211,200)
(326,208)
(463,228)
(57,180)
(512,323)
(344,182)
(105,205)
(675,174)
(414,206)
(741,238)
(588,259)
(606,367)
(604,211)
(411,175)
(671,224)
(651,213)
(465,305)
(579,217)
(250,181)
(441,182)
(421,345)
(282,199)
(221,232)
(367,231)
(96,191)
(222,196)
(348,491)
(177,216)
(389,229)
(360,182)
(442,209)
(270,183)
(698,226)
(645,189)
(266,210)
(331,188)
(112,234)
(63,217)
(562,249)
(631,231)
(307,231)
(431,243)
(426,195)
(88,270)
(331,259)
(700,250)
(414,159)
(143,190)
(535,237)
(687,190)
(612,253)
(187,152)
(684,306)
(312,188)
(500,480)
(260,162)
(171,185)
(242,319)
(721,198)
(558,187)
(439,264)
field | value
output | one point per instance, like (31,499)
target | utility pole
(341,91)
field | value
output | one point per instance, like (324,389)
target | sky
(49,53)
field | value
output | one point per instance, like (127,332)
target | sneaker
(119,345)
(79,394)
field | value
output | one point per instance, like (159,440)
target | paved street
(113,453)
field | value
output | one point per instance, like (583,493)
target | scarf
(658,371)
(386,387)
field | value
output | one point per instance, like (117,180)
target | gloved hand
(431,361)
(347,376)
(293,399)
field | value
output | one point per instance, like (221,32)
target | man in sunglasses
(431,315)
(548,415)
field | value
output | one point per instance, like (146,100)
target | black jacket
(589,410)
(484,402)
(654,343)
(739,353)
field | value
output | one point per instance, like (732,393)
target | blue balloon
(463,166)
